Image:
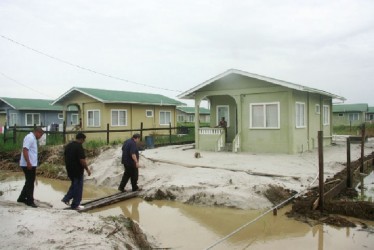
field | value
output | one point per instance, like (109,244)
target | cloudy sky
(170,46)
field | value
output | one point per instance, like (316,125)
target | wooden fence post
(14,134)
(349,171)
(170,132)
(321,178)
(362,148)
(5,131)
(64,132)
(107,133)
(141,131)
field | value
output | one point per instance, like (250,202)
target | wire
(83,68)
(8,77)
(260,216)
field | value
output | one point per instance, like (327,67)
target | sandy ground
(216,178)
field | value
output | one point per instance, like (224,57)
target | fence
(174,135)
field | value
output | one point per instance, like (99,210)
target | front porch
(213,139)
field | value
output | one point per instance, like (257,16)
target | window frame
(165,111)
(33,115)
(264,105)
(227,114)
(299,120)
(72,119)
(118,117)
(13,117)
(353,115)
(317,109)
(146,113)
(326,115)
(93,120)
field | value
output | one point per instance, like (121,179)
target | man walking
(75,162)
(29,163)
(130,160)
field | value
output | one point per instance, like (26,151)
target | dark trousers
(27,193)
(131,173)
(75,191)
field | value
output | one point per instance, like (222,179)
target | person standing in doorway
(130,160)
(223,124)
(29,163)
(75,162)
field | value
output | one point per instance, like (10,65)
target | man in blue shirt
(130,160)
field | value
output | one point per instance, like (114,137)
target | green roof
(371,110)
(191,110)
(30,104)
(116,96)
(358,107)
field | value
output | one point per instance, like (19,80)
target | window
(60,116)
(223,111)
(74,119)
(326,115)
(165,117)
(341,114)
(119,117)
(180,118)
(300,115)
(353,117)
(32,118)
(191,118)
(12,119)
(264,115)
(149,113)
(93,118)
(370,117)
(318,109)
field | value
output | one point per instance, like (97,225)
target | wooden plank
(105,201)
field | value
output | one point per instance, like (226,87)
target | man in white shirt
(29,163)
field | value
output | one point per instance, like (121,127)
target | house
(370,115)
(350,114)
(120,110)
(29,112)
(263,114)
(187,114)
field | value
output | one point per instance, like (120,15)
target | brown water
(180,226)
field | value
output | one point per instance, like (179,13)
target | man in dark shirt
(75,162)
(130,160)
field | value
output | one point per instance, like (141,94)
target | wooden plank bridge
(107,200)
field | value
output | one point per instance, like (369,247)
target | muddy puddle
(365,188)
(179,226)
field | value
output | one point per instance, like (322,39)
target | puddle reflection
(180,226)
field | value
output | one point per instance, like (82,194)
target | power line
(13,80)
(83,68)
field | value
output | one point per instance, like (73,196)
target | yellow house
(100,109)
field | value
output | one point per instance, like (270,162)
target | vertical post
(170,132)
(362,148)
(64,132)
(14,134)
(321,177)
(141,131)
(349,171)
(107,133)
(5,131)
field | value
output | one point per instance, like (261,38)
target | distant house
(187,114)
(121,110)
(349,114)
(370,115)
(29,112)
(263,114)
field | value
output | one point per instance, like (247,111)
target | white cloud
(177,45)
